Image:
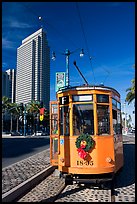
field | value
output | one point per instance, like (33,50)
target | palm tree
(33,108)
(15,111)
(46,118)
(5,107)
(129,120)
(131,92)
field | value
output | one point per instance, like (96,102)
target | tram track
(76,193)
(54,189)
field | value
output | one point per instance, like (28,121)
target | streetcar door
(54,134)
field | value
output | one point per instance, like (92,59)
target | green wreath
(87,139)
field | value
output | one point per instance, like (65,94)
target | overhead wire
(82,27)
(50,25)
(87,45)
(107,75)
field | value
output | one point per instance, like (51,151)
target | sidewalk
(19,172)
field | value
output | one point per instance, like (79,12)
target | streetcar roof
(87,87)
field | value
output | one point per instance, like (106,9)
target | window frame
(82,103)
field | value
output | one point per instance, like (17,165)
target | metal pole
(125,119)
(24,119)
(67,53)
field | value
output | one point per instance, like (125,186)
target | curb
(22,188)
(30,136)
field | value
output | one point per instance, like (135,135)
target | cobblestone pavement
(46,190)
(125,194)
(19,172)
(78,193)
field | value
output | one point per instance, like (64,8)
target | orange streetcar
(86,133)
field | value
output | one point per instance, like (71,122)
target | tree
(15,111)
(5,107)
(45,122)
(33,108)
(131,92)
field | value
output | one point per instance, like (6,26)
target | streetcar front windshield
(83,119)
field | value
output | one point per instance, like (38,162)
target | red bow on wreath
(82,153)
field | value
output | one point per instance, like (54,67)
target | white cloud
(114,4)
(7,44)
(4,64)
(16,24)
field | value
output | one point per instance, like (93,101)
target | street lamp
(24,119)
(81,53)
(67,54)
(53,56)
(125,118)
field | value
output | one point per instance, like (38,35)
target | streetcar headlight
(108,159)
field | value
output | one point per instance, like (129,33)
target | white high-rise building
(33,69)
(12,84)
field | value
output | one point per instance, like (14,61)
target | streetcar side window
(54,124)
(83,119)
(64,120)
(103,119)
(114,112)
(76,98)
(102,98)
(117,128)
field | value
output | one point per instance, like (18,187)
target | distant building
(33,69)
(8,90)
(12,83)
(5,84)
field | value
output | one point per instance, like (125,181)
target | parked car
(44,134)
(15,134)
(38,133)
(7,132)
(133,130)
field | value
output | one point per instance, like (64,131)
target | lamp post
(2,115)
(125,119)
(24,119)
(67,54)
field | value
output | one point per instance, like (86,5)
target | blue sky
(106,32)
